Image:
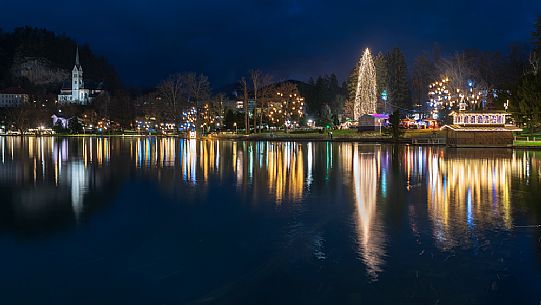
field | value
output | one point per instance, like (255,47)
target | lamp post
(288,116)
(235,124)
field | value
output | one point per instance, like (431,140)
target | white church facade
(77,92)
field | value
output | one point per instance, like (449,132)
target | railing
(527,139)
(429,141)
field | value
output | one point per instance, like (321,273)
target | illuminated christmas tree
(366,91)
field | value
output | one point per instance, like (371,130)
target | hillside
(40,59)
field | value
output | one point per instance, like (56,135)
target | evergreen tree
(75,126)
(536,36)
(321,94)
(422,75)
(399,93)
(381,73)
(58,128)
(324,90)
(121,108)
(334,88)
(351,84)
(394,122)
(529,101)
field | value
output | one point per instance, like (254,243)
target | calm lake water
(170,221)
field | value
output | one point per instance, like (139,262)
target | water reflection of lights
(189,160)
(365,186)
(464,193)
(196,159)
(42,159)
(285,171)
(310,163)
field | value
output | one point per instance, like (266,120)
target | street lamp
(235,124)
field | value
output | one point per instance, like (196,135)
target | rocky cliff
(38,71)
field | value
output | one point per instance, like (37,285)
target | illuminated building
(12,97)
(77,92)
(480,129)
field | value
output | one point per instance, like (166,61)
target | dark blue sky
(147,40)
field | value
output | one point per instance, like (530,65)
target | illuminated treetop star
(366,91)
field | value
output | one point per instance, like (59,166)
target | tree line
(511,77)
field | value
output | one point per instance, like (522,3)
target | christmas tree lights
(366,91)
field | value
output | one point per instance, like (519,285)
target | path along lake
(172,221)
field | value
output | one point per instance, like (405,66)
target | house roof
(13,90)
(488,112)
(497,128)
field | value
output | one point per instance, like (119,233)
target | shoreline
(288,138)
(229,138)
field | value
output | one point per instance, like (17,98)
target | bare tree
(458,72)
(244,87)
(465,80)
(219,100)
(266,93)
(171,93)
(256,77)
(197,87)
(19,116)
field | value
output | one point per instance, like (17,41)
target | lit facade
(480,129)
(12,97)
(77,92)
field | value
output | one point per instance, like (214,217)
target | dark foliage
(394,128)
(325,90)
(57,49)
(75,126)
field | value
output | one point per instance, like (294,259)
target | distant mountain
(230,90)
(40,59)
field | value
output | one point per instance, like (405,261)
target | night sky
(147,40)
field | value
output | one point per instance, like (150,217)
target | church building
(77,92)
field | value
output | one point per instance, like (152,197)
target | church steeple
(77,57)
(77,83)
(77,64)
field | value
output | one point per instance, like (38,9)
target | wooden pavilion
(480,129)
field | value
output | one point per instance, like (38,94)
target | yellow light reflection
(464,193)
(370,236)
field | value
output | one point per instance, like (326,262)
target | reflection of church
(77,92)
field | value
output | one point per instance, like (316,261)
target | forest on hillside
(29,51)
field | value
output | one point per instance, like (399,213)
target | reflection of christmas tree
(366,92)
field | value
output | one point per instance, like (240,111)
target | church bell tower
(77,80)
